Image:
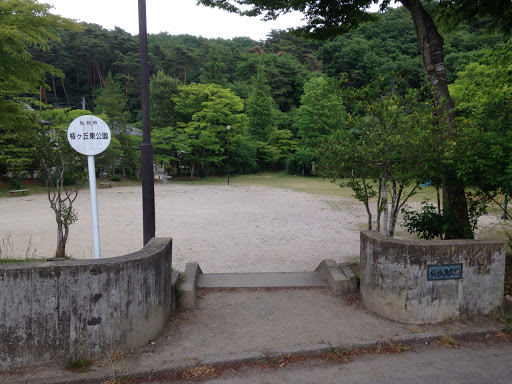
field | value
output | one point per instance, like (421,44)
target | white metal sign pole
(89,135)
(94,207)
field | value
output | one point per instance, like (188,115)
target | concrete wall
(394,282)
(60,310)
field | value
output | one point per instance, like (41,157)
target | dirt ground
(223,228)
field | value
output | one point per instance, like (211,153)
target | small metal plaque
(445,272)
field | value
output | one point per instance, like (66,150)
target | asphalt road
(468,364)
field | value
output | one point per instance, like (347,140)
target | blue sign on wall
(445,272)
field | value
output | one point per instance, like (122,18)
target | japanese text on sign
(89,135)
(444,272)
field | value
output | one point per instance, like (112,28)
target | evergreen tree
(322,112)
(273,146)
(261,108)
(213,71)
(161,90)
(113,104)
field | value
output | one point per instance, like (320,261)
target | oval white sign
(89,135)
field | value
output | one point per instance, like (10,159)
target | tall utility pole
(148,186)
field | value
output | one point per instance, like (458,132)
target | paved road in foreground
(471,364)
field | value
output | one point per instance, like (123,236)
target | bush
(300,162)
(427,224)
(15,183)
(117,177)
(430,224)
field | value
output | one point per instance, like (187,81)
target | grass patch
(37,187)
(78,365)
(448,341)
(12,261)
(309,184)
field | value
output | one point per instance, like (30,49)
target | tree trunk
(367,205)
(379,206)
(65,93)
(431,47)
(384,205)
(61,241)
(54,88)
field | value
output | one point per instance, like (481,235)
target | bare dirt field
(224,228)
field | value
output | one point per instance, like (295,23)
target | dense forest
(256,86)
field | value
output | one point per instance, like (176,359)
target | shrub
(15,183)
(300,162)
(430,224)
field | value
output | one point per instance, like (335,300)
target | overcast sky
(172,16)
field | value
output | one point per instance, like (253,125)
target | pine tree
(213,71)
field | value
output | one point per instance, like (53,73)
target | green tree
(261,108)
(113,105)
(272,144)
(62,170)
(161,90)
(322,110)
(321,113)
(482,151)
(324,20)
(24,25)
(213,71)
(390,146)
(199,139)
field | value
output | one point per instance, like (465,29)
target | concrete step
(262,280)
(338,277)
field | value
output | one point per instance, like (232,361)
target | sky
(172,16)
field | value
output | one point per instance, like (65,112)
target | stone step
(261,280)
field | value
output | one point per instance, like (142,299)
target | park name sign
(90,136)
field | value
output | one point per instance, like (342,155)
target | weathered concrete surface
(261,280)
(55,311)
(341,279)
(189,285)
(394,281)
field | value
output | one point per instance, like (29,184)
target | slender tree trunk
(431,47)
(100,76)
(384,207)
(379,206)
(65,93)
(54,88)
(61,241)
(367,205)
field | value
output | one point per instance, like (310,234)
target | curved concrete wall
(56,311)
(395,285)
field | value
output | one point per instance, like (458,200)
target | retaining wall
(61,310)
(395,277)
